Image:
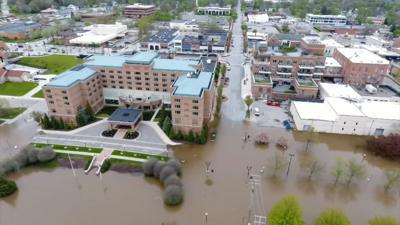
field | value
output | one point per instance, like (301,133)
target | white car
(256,111)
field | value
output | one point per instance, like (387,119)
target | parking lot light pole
(290,162)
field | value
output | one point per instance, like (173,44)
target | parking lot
(270,116)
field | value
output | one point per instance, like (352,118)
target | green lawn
(138,155)
(69,148)
(55,64)
(39,94)
(16,88)
(10,113)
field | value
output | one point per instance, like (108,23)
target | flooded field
(54,196)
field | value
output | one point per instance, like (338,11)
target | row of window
(136,73)
(193,101)
(193,113)
(135,88)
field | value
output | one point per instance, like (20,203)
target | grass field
(39,94)
(106,111)
(55,64)
(69,148)
(138,155)
(10,113)
(16,88)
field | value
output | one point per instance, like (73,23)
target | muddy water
(49,197)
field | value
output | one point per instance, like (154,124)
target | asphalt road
(234,108)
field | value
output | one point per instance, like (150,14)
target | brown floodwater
(54,196)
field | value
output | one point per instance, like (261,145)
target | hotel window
(129,78)
(66,103)
(177,100)
(113,86)
(155,79)
(157,89)
(64,92)
(128,72)
(147,84)
(195,113)
(164,75)
(113,81)
(139,88)
(156,85)
(195,107)
(119,71)
(50,96)
(164,90)
(120,82)
(147,78)
(146,73)
(195,101)
(51,102)
(138,83)
(103,71)
(54,111)
(121,87)
(173,75)
(104,81)
(66,98)
(147,89)
(137,73)
(172,80)
(177,106)
(104,86)
(178,112)
(164,80)
(119,77)
(155,74)
(129,82)
(111,71)
(111,76)
(48,91)
(164,85)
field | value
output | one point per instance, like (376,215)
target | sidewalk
(246,88)
(160,133)
(33,91)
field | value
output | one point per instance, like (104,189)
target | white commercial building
(100,33)
(343,116)
(258,18)
(335,20)
(330,46)
(190,28)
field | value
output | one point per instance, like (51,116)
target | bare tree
(282,142)
(312,166)
(354,170)
(262,139)
(338,169)
(392,179)
(277,164)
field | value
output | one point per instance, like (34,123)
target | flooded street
(56,197)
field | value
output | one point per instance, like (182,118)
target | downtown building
(138,10)
(143,81)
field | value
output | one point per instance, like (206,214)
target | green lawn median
(39,94)
(138,155)
(16,88)
(69,147)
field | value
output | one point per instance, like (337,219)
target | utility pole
(248,168)
(290,162)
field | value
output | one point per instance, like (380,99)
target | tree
(262,138)
(158,166)
(166,172)
(248,101)
(332,217)
(338,169)
(383,220)
(285,28)
(312,166)
(386,146)
(148,167)
(46,154)
(173,180)
(3,106)
(277,163)
(176,165)
(7,187)
(286,212)
(166,125)
(173,195)
(354,170)
(392,179)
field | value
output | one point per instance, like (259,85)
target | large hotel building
(144,81)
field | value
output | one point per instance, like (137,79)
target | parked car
(271,103)
(287,124)
(256,111)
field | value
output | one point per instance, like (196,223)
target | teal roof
(193,85)
(106,61)
(175,65)
(71,77)
(142,58)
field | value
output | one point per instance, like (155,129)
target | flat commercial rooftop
(193,85)
(174,65)
(71,77)
(315,111)
(343,107)
(359,55)
(142,58)
(125,115)
(339,90)
(381,110)
(106,61)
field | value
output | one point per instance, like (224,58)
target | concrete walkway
(120,134)
(106,153)
(160,133)
(33,91)
(246,88)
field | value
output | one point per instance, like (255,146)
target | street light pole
(248,170)
(206,217)
(290,162)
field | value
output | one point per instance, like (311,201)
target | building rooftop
(339,90)
(125,115)
(332,43)
(326,16)
(358,55)
(175,65)
(139,6)
(344,107)
(381,110)
(142,58)
(315,111)
(331,62)
(312,40)
(163,36)
(193,85)
(19,27)
(72,76)
(106,61)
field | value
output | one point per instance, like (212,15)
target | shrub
(385,146)
(7,187)
(148,166)
(286,211)
(173,195)
(262,139)
(106,166)
(332,217)
(166,172)
(383,220)
(46,154)
(173,180)
(282,142)
(158,167)
(176,165)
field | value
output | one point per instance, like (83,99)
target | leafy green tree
(383,220)
(286,212)
(277,164)
(354,170)
(338,169)
(392,179)
(248,101)
(312,166)
(332,217)
(166,125)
